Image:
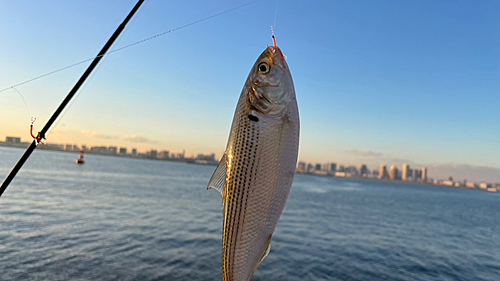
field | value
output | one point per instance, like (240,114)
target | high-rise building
(166,154)
(134,151)
(424,174)
(363,170)
(123,151)
(406,172)
(393,173)
(310,168)
(351,170)
(329,168)
(113,150)
(416,174)
(153,153)
(318,167)
(382,172)
(333,167)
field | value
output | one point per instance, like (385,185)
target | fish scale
(257,169)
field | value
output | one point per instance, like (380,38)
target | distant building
(68,147)
(134,151)
(393,173)
(341,174)
(164,154)
(470,185)
(99,150)
(112,150)
(424,174)
(203,157)
(382,172)
(363,170)
(333,167)
(485,185)
(414,174)
(310,168)
(317,167)
(301,167)
(325,167)
(153,153)
(12,140)
(123,151)
(405,172)
(341,168)
(351,170)
(448,182)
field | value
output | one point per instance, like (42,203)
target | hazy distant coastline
(202,159)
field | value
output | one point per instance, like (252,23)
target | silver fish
(255,174)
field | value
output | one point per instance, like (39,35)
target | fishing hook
(274,39)
(37,138)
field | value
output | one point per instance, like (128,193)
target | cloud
(397,161)
(138,139)
(129,138)
(99,135)
(364,153)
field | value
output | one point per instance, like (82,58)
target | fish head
(269,84)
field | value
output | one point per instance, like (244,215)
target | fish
(255,174)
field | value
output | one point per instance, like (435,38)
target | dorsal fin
(219,177)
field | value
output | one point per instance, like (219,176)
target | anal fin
(264,255)
(266,252)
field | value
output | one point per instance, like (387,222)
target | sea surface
(131,219)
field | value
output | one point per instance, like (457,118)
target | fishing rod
(41,134)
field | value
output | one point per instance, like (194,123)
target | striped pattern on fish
(256,172)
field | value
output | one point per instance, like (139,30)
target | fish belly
(260,158)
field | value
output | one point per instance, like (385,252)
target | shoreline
(215,163)
(492,189)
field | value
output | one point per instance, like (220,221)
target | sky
(377,82)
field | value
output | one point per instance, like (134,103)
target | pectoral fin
(219,177)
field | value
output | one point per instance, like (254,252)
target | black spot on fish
(253,118)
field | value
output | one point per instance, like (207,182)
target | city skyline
(391,173)
(377,82)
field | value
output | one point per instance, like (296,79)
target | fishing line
(275,14)
(13,88)
(133,44)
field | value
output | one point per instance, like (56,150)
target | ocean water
(131,219)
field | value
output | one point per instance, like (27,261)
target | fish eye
(263,68)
